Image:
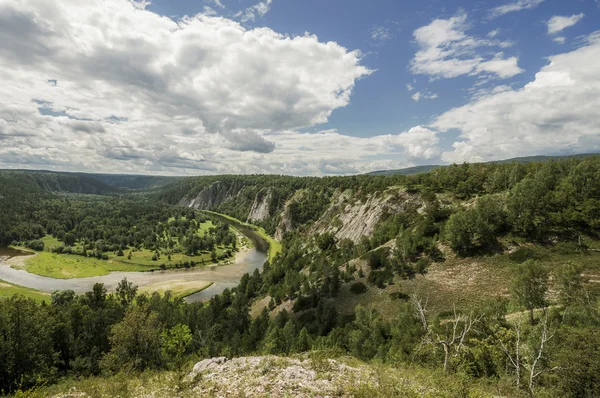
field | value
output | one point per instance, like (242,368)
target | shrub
(358,288)
(36,245)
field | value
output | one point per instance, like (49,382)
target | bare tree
(531,363)
(514,354)
(452,339)
(537,353)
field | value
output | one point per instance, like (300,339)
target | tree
(176,342)
(303,342)
(529,286)
(69,239)
(126,292)
(135,342)
(578,362)
(572,289)
(451,336)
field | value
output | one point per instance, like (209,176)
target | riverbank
(221,277)
(9,289)
(275,246)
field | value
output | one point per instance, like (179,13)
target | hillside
(301,376)
(451,273)
(526,159)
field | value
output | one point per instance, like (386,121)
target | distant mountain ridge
(525,159)
(91,183)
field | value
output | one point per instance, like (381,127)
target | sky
(300,87)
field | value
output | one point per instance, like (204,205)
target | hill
(452,272)
(526,159)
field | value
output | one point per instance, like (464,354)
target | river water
(226,276)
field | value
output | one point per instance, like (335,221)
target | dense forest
(539,220)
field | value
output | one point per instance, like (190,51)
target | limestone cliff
(210,197)
(352,218)
(260,207)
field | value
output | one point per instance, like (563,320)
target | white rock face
(205,364)
(260,207)
(271,376)
(353,219)
(209,197)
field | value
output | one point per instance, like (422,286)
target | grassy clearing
(468,283)
(66,266)
(179,288)
(8,290)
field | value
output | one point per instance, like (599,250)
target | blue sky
(381,103)
(300,87)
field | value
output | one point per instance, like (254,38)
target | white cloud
(133,91)
(418,96)
(493,33)
(259,9)
(379,35)
(217,3)
(409,87)
(555,113)
(558,23)
(446,51)
(559,40)
(513,7)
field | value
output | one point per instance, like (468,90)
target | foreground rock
(275,377)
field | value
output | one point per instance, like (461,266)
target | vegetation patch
(179,288)
(8,290)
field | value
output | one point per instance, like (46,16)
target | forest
(536,223)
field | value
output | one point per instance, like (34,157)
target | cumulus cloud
(555,113)
(447,51)
(558,23)
(514,7)
(156,95)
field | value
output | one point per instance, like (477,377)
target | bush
(523,254)
(358,288)
(36,245)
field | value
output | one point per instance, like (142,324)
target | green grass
(8,290)
(178,288)
(66,266)
(50,241)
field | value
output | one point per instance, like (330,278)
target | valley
(447,271)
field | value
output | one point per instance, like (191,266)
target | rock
(207,364)
(260,207)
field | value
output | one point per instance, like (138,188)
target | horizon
(189,88)
(374,172)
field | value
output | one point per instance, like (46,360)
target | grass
(66,266)
(179,288)
(8,290)
(356,379)
(469,283)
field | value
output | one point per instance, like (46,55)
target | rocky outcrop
(260,207)
(352,218)
(285,225)
(207,364)
(210,197)
(276,377)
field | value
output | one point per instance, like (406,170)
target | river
(226,276)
